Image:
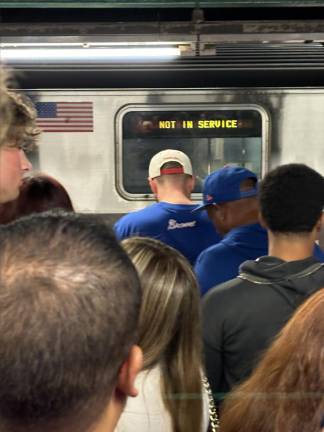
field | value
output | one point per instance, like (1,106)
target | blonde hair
(169,327)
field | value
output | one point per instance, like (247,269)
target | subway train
(255,105)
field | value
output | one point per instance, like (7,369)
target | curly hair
(22,130)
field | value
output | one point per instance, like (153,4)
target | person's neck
(290,247)
(250,217)
(245,211)
(173,197)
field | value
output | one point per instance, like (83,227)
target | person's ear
(320,223)
(129,370)
(222,211)
(262,221)
(213,210)
(153,185)
(192,183)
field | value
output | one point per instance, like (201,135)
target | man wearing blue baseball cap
(230,198)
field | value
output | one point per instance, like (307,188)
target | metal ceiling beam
(177,32)
(157,3)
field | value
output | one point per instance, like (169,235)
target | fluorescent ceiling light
(75,55)
(87,44)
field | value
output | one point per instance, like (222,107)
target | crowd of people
(180,318)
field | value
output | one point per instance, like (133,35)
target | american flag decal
(65,116)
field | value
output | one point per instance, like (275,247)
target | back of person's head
(285,393)
(38,193)
(292,199)
(176,179)
(69,305)
(169,162)
(171,168)
(229,184)
(17,117)
(169,327)
(230,197)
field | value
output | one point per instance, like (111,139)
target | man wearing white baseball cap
(171,218)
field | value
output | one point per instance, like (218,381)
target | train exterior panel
(103,160)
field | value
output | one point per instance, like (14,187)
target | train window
(211,138)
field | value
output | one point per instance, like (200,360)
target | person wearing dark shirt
(242,316)
(230,198)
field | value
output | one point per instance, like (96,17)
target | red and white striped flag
(65,116)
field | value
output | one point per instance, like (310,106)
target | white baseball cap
(169,155)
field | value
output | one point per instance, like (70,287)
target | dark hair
(38,193)
(292,198)
(285,393)
(69,306)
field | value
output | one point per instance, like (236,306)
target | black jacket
(242,316)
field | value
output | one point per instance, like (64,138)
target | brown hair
(169,327)
(38,193)
(286,391)
(69,305)
(178,179)
(22,131)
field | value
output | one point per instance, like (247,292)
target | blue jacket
(173,224)
(220,263)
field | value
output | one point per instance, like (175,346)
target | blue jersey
(221,262)
(173,224)
(318,253)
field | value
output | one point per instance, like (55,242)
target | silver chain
(213,417)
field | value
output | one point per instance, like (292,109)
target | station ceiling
(157,3)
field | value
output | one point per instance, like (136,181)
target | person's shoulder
(226,291)
(222,303)
(213,252)
(133,223)
(136,215)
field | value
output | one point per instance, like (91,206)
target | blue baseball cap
(223,185)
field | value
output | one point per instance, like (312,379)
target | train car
(102,121)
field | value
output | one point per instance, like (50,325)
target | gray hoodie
(241,317)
